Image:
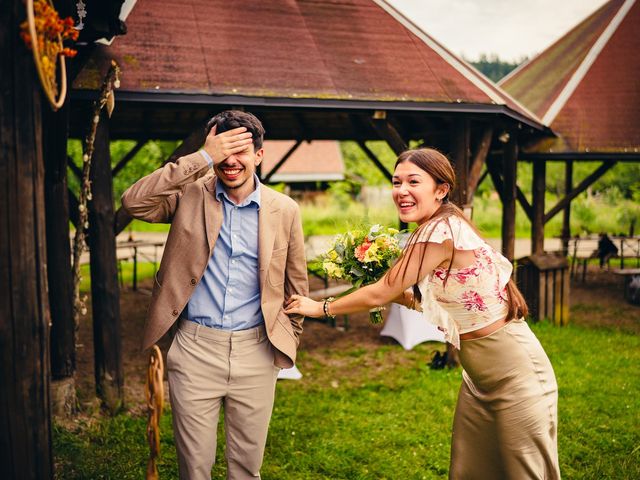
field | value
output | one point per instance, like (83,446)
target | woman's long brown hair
(439,168)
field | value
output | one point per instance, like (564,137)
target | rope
(155,399)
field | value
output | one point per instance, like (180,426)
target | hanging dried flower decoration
(43,32)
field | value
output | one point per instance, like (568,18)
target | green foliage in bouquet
(362,257)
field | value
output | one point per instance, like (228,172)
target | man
(234,252)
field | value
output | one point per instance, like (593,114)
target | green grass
(361,414)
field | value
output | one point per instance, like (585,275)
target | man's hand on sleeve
(226,143)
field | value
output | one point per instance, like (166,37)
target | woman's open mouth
(405,206)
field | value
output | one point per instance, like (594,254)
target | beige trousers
(506,419)
(208,368)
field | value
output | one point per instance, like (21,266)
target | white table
(290,374)
(409,327)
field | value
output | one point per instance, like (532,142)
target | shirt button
(230,289)
(175,312)
(233,262)
(193,281)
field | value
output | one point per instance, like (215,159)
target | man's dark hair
(230,119)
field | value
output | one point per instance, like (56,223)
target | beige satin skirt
(506,418)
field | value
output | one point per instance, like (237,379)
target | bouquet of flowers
(362,257)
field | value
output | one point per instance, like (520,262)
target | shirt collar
(254,197)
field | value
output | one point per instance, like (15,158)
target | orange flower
(361,250)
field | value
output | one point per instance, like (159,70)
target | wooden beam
(509,160)
(77,171)
(389,134)
(499,186)
(189,145)
(459,148)
(277,166)
(537,222)
(375,160)
(478,161)
(25,421)
(566,217)
(584,184)
(524,203)
(105,291)
(60,279)
(73,207)
(494,173)
(128,156)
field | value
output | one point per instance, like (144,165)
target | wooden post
(566,219)
(25,429)
(105,293)
(460,153)
(537,224)
(63,349)
(509,193)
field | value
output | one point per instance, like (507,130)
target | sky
(512,29)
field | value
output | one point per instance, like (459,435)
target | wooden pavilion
(346,70)
(586,88)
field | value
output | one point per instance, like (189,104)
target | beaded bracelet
(325,308)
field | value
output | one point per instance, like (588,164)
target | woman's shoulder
(452,228)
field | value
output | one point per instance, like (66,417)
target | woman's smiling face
(416,194)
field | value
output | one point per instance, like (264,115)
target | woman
(505,422)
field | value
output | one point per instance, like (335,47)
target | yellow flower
(333,270)
(370,256)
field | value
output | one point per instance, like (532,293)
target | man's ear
(259,156)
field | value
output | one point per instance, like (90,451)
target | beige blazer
(183,194)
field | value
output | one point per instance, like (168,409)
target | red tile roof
(586,86)
(320,160)
(325,50)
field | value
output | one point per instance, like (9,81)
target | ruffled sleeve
(450,228)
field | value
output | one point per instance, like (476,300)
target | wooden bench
(583,249)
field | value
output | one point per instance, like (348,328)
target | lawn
(376,413)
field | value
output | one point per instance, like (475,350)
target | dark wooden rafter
(537,221)
(496,178)
(566,217)
(189,145)
(73,207)
(105,291)
(128,156)
(459,152)
(60,279)
(509,161)
(494,173)
(25,422)
(77,171)
(524,203)
(581,187)
(282,161)
(385,129)
(477,162)
(375,160)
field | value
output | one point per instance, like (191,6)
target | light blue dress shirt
(228,295)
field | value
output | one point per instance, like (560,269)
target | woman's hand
(304,306)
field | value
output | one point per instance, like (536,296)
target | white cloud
(511,29)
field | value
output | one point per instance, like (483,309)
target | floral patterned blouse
(472,297)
